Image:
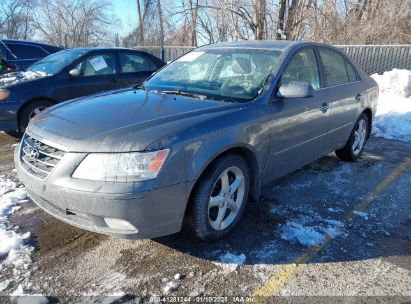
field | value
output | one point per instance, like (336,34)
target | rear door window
(334,67)
(25,51)
(133,63)
(303,68)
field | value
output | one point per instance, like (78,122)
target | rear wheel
(355,144)
(30,111)
(220,197)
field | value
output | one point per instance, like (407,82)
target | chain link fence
(379,58)
(371,58)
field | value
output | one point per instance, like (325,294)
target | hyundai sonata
(198,140)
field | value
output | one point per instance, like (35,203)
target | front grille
(37,158)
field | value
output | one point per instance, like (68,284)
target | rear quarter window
(25,51)
(352,75)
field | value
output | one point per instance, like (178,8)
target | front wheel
(220,197)
(355,144)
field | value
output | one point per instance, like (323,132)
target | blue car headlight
(4,94)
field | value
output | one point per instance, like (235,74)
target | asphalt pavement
(330,229)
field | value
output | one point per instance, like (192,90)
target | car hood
(17,78)
(121,121)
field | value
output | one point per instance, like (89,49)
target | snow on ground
(361,214)
(15,254)
(230,262)
(311,231)
(393,117)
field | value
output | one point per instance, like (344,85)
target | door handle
(358,97)
(324,107)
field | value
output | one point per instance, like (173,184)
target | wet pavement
(329,229)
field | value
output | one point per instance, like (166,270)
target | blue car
(20,54)
(69,74)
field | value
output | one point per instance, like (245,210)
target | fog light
(119,224)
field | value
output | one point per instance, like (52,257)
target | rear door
(97,72)
(298,126)
(342,85)
(135,67)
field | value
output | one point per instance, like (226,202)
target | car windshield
(223,74)
(54,63)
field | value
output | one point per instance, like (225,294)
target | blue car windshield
(54,63)
(222,73)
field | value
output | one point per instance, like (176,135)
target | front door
(298,125)
(96,73)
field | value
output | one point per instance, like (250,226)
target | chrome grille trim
(37,158)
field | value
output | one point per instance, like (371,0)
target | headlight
(121,167)
(4,94)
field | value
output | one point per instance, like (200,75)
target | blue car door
(97,72)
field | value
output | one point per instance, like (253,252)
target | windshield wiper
(182,93)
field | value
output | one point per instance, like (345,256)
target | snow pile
(393,117)
(13,251)
(230,262)
(361,214)
(311,231)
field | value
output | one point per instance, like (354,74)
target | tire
(209,204)
(354,147)
(30,111)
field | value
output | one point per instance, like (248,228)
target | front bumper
(152,211)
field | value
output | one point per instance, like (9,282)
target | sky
(126,11)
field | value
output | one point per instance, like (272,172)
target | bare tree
(79,22)
(140,27)
(15,18)
(259,18)
(160,19)
(359,21)
(281,18)
(193,22)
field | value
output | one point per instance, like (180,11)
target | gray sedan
(197,140)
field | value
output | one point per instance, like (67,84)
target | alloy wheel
(226,198)
(360,133)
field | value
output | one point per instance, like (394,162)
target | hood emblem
(33,153)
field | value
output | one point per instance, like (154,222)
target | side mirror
(295,89)
(74,72)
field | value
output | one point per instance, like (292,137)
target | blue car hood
(17,78)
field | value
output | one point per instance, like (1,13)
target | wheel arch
(30,101)
(252,162)
(368,112)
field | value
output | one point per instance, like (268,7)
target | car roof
(263,44)
(26,42)
(89,49)
(48,47)
(254,44)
